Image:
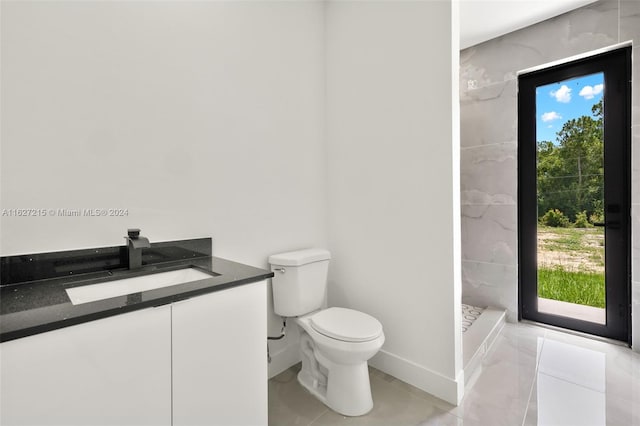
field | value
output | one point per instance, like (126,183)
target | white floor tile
(531,376)
(584,367)
(561,403)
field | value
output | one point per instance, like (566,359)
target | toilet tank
(300,281)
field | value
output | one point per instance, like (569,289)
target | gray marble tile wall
(488,138)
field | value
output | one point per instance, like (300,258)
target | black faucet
(135,245)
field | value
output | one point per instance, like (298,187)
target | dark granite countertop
(37,306)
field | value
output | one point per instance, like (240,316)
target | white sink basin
(106,290)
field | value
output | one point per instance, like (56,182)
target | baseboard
(416,375)
(284,358)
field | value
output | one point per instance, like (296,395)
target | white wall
(200,118)
(208,119)
(392,134)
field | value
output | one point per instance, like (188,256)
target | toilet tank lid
(299,257)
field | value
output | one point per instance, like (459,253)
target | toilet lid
(346,324)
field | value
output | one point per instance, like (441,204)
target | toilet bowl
(336,344)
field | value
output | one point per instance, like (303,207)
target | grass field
(571,265)
(584,288)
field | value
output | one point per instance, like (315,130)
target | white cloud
(549,116)
(589,92)
(563,94)
(550,126)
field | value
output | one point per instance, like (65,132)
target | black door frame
(616,66)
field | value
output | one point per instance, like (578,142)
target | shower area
(489,145)
(488,192)
(488,198)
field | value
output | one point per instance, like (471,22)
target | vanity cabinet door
(219,358)
(112,371)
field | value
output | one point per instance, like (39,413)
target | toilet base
(316,389)
(347,390)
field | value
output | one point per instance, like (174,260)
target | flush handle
(281,270)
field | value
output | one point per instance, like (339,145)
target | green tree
(570,171)
(549,166)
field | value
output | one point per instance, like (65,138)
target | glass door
(574,168)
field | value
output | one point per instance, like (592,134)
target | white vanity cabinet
(112,371)
(220,358)
(200,361)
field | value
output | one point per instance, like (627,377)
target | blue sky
(559,102)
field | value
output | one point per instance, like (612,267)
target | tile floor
(531,376)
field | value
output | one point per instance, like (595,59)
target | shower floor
(469,315)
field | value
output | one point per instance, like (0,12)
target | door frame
(616,66)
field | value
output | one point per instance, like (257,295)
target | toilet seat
(346,325)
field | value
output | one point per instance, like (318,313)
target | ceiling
(482,20)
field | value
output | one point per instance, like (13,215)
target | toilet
(335,343)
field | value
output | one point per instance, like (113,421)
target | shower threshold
(478,338)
